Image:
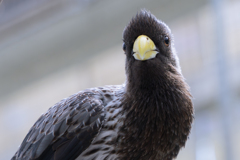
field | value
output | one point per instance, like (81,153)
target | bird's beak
(144,48)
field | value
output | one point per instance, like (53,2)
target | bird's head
(150,54)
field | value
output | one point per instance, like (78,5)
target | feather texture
(72,122)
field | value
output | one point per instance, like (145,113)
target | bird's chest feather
(154,129)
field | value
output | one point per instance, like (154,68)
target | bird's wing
(65,130)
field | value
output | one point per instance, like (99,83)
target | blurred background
(50,49)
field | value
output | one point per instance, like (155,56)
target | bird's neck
(149,94)
(146,85)
(150,113)
(156,92)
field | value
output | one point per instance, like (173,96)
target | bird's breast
(154,128)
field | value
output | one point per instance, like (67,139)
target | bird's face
(147,43)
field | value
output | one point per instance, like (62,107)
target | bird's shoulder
(74,121)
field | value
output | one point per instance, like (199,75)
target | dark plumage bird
(147,118)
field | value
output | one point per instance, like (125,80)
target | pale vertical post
(224,97)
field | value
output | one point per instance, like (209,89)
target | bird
(148,117)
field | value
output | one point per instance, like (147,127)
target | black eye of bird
(166,41)
(124,47)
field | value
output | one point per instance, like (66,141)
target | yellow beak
(144,48)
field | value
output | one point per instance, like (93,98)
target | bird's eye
(124,47)
(166,41)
